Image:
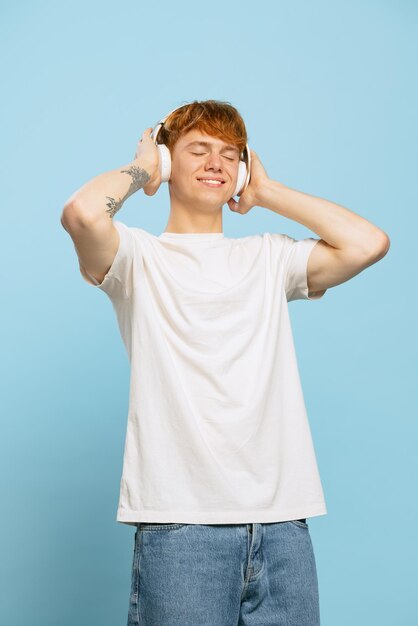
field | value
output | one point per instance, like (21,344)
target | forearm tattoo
(139,179)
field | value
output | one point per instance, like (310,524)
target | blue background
(328,94)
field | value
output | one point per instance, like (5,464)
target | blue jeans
(224,575)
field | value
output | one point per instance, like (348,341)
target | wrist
(143,165)
(268,195)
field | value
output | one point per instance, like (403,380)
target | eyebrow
(207,144)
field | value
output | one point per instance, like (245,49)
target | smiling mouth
(215,184)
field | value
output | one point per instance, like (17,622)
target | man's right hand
(148,158)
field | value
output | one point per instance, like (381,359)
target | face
(197,158)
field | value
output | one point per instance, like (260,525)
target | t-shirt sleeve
(120,279)
(294,256)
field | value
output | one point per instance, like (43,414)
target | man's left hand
(252,195)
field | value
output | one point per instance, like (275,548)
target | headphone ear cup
(242,174)
(165,162)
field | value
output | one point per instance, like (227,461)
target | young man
(219,469)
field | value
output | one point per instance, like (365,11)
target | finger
(147,133)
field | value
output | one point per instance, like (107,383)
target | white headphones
(244,167)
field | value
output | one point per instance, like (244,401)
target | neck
(185,219)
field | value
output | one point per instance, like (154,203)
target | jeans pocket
(299,522)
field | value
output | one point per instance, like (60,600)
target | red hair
(211,117)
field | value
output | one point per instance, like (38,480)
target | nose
(213,162)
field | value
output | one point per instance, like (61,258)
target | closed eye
(201,153)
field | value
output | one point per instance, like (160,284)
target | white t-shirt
(217,430)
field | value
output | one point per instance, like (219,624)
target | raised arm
(349,243)
(87,214)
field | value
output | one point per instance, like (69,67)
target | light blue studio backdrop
(327,91)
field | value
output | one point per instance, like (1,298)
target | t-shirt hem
(132,518)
